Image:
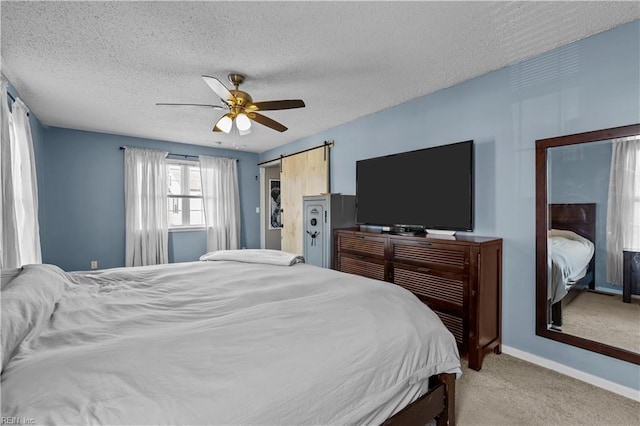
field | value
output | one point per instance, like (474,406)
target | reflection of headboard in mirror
(579,218)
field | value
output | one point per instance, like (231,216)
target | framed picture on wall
(275,220)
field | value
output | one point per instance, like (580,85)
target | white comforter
(215,343)
(569,257)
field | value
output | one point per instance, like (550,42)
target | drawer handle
(424,244)
(425,270)
(360,237)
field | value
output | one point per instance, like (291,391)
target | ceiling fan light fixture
(225,123)
(242,122)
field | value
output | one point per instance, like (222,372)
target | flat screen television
(430,188)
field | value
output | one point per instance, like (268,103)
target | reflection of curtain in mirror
(623,210)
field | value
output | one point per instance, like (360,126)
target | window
(184,195)
(623,207)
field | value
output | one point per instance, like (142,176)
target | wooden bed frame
(438,403)
(581,219)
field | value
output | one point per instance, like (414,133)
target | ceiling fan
(242,108)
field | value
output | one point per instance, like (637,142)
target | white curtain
(623,209)
(9,241)
(221,202)
(145,189)
(19,228)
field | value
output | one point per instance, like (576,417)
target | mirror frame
(542,146)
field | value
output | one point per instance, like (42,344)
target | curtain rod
(174,154)
(325,143)
(14,99)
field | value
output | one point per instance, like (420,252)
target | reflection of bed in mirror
(571,239)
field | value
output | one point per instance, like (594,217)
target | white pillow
(264,256)
(570,235)
(28,302)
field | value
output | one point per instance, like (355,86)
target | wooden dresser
(630,274)
(459,279)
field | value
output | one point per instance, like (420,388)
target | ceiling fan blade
(266,121)
(275,105)
(219,88)
(191,105)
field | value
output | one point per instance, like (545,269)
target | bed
(221,341)
(571,260)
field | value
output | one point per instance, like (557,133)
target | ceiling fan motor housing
(242,98)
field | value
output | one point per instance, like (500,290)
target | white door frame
(263,200)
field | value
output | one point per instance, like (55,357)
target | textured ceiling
(101,66)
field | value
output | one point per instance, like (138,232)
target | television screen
(430,188)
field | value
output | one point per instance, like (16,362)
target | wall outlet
(257,209)
(94,264)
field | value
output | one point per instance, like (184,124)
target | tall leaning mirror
(588,241)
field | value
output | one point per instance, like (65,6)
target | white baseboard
(572,372)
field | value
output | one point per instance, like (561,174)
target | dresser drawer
(447,257)
(359,265)
(434,287)
(369,246)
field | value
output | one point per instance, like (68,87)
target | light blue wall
(37,135)
(84,199)
(185,246)
(591,84)
(580,174)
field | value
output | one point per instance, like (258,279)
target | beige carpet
(604,318)
(509,391)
